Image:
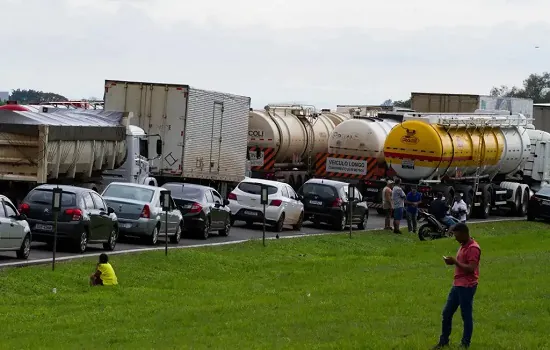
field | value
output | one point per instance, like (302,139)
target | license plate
(251,213)
(126,225)
(316,202)
(43,227)
(372,189)
(545,202)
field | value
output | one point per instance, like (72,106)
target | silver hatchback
(140,213)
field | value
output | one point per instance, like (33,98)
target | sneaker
(440,346)
(397,232)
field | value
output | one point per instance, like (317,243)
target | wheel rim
(227,227)
(281,222)
(427,233)
(300,219)
(343,222)
(206,229)
(26,247)
(83,241)
(488,206)
(525,202)
(365,220)
(112,243)
(155,235)
(178,233)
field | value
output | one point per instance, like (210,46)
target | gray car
(140,213)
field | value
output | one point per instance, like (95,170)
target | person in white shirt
(459,209)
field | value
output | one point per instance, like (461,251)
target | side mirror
(110,210)
(299,197)
(226,201)
(22,217)
(159,147)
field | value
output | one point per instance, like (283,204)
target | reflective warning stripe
(373,169)
(269,158)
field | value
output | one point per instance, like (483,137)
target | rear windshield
(185,192)
(545,191)
(323,191)
(68,199)
(256,188)
(129,192)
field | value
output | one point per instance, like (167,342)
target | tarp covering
(66,124)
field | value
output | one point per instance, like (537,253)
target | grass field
(374,291)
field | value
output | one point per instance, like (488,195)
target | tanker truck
(494,160)
(89,148)
(283,141)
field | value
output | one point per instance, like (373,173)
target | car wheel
(25,250)
(153,240)
(232,221)
(226,229)
(177,236)
(298,226)
(363,224)
(82,244)
(113,237)
(340,224)
(205,233)
(280,223)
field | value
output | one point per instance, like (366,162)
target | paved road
(238,233)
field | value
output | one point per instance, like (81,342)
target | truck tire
(486,201)
(515,206)
(524,202)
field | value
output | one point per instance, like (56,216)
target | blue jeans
(463,297)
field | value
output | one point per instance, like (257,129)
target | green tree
(23,96)
(535,87)
(403,103)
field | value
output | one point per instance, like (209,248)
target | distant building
(4,95)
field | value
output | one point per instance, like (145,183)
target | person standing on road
(398,200)
(464,287)
(387,204)
(414,198)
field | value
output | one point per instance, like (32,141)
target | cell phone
(444,257)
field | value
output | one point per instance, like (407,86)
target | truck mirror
(159,147)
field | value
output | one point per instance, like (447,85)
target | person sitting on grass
(104,274)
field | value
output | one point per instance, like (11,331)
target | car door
(296,204)
(103,229)
(219,210)
(173,216)
(287,204)
(16,228)
(4,229)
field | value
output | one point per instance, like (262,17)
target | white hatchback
(284,206)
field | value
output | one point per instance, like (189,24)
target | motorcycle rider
(439,209)
(459,209)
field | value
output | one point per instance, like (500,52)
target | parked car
(84,218)
(283,208)
(539,205)
(140,214)
(202,207)
(326,201)
(15,233)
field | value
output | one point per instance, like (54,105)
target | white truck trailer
(204,133)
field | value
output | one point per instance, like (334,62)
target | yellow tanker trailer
(480,155)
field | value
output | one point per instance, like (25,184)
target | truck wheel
(515,206)
(486,201)
(524,203)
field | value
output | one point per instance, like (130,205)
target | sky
(305,51)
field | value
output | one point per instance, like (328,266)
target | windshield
(323,191)
(129,192)
(181,191)
(545,191)
(256,188)
(68,199)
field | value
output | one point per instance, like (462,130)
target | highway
(41,254)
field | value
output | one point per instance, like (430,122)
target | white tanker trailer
(283,141)
(41,144)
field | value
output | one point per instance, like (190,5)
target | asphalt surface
(40,253)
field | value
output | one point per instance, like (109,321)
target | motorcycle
(433,228)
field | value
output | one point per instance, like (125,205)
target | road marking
(137,250)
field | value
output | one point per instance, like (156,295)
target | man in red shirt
(464,286)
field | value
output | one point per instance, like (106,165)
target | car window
(545,191)
(129,192)
(209,197)
(88,201)
(2,212)
(98,201)
(284,191)
(182,191)
(10,210)
(217,197)
(321,190)
(345,190)
(43,196)
(256,188)
(291,192)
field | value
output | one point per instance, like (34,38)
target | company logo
(410,137)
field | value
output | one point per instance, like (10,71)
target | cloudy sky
(322,53)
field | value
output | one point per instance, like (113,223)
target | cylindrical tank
(362,137)
(422,148)
(291,136)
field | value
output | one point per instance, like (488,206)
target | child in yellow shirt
(104,274)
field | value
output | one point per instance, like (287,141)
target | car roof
(64,188)
(265,182)
(202,187)
(137,185)
(327,182)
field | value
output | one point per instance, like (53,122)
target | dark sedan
(84,217)
(202,207)
(539,205)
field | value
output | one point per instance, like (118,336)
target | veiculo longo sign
(346,166)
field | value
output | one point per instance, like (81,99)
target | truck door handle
(11,224)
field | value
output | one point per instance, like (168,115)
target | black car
(84,217)
(202,207)
(539,205)
(326,201)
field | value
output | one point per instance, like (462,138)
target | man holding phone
(464,286)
